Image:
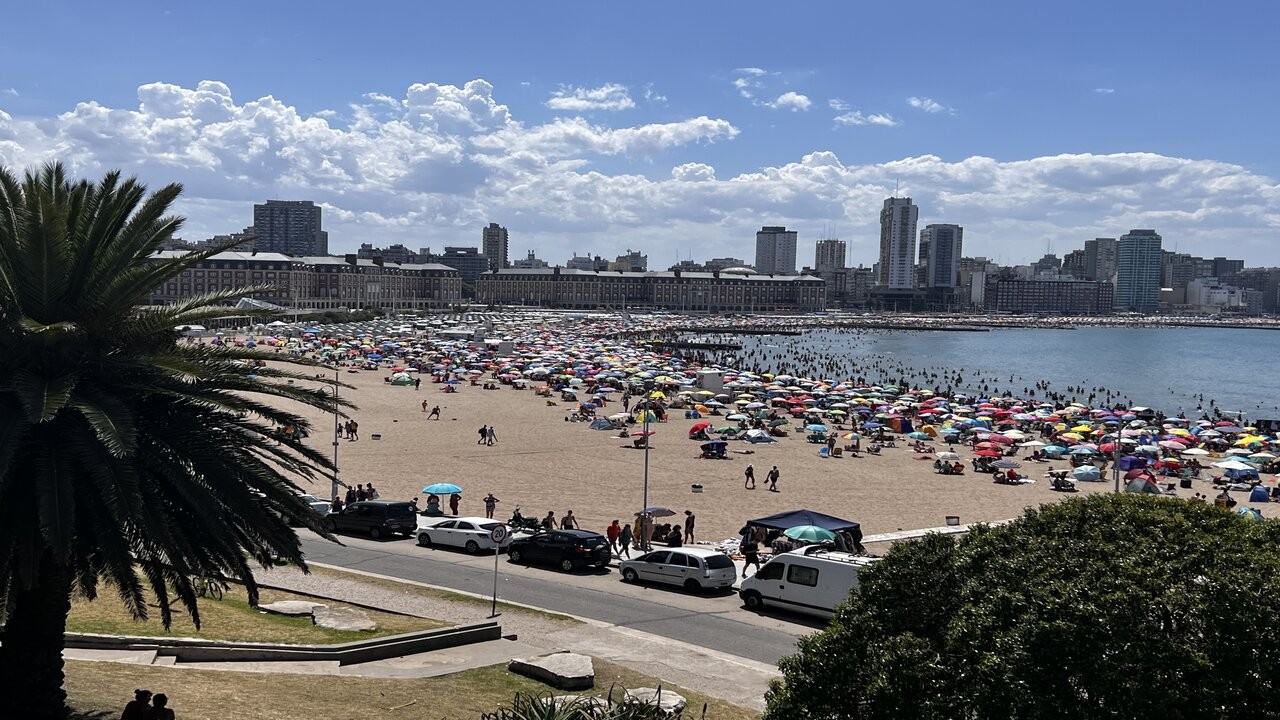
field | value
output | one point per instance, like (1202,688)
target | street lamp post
(334,485)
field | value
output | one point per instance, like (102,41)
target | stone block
(565,670)
(342,619)
(664,699)
(292,608)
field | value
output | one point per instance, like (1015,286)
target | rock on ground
(342,619)
(564,670)
(666,700)
(292,608)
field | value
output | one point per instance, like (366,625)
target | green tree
(126,457)
(1117,606)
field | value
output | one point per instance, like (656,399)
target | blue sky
(677,128)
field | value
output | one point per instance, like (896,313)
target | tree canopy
(1121,606)
(125,456)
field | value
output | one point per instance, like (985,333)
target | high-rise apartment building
(776,251)
(1138,265)
(1100,259)
(291,227)
(898,243)
(828,255)
(941,247)
(494,246)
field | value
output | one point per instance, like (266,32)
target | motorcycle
(520,522)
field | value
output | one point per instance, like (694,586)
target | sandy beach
(541,463)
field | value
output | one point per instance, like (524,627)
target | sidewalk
(527,632)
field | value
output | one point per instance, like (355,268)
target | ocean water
(1170,369)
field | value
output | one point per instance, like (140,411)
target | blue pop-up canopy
(793,518)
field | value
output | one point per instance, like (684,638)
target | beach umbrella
(1031,444)
(1087,473)
(918,435)
(987,453)
(1006,464)
(809,533)
(816,428)
(736,416)
(1233,465)
(656,511)
(948,456)
(442,489)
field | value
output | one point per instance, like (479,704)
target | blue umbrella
(816,428)
(809,533)
(442,489)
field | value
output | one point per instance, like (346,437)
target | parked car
(321,507)
(692,568)
(570,549)
(468,533)
(375,517)
(810,580)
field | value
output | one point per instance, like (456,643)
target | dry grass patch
(233,619)
(97,689)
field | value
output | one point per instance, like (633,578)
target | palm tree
(126,458)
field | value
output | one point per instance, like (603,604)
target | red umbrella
(1000,439)
(986,445)
(987,453)
(699,427)
(1107,448)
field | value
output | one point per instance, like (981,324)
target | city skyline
(1030,136)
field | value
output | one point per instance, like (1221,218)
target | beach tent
(758,436)
(1142,484)
(602,424)
(793,518)
(1259,494)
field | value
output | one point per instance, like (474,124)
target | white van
(810,580)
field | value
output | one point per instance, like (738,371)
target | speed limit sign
(499,533)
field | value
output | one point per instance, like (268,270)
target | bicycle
(207,587)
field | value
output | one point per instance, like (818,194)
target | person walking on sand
(491,436)
(624,540)
(568,522)
(549,522)
(773,479)
(750,477)
(490,504)
(689,519)
(484,433)
(353,430)
(454,499)
(435,411)
(424,405)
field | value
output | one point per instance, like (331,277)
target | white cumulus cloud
(838,105)
(928,105)
(857,117)
(610,96)
(439,161)
(792,101)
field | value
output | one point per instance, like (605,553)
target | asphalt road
(717,622)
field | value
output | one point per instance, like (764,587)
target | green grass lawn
(232,619)
(100,689)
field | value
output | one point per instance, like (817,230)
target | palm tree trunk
(31,655)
